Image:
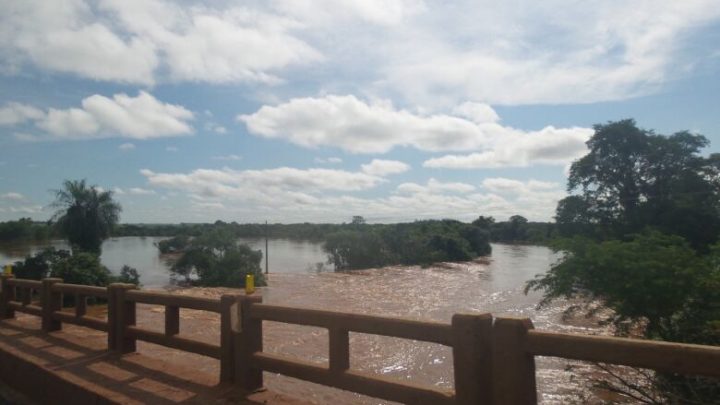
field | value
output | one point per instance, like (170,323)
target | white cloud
(17,113)
(136,41)
(227,157)
(476,112)
(502,185)
(211,183)
(208,205)
(140,117)
(26,209)
(353,125)
(172,149)
(549,146)
(541,52)
(140,191)
(356,126)
(12,196)
(126,146)
(324,12)
(380,167)
(330,160)
(291,195)
(426,52)
(67,36)
(435,186)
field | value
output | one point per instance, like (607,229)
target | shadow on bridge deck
(73,366)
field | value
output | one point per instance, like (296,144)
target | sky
(315,111)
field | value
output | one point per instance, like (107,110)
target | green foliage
(484,222)
(128,275)
(420,242)
(516,230)
(231,268)
(79,268)
(40,265)
(633,178)
(82,268)
(300,231)
(356,249)
(215,259)
(85,215)
(648,279)
(175,244)
(647,216)
(656,282)
(24,229)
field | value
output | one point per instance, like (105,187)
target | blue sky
(294,110)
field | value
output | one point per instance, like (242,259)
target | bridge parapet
(493,358)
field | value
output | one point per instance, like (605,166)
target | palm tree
(85,215)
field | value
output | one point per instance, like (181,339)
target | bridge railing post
(51,301)
(7,294)
(248,340)
(121,314)
(229,310)
(513,369)
(472,358)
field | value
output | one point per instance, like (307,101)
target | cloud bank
(424,52)
(140,117)
(356,126)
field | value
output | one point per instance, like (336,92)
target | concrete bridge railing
(493,358)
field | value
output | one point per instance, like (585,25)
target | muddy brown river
(436,293)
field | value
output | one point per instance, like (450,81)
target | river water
(142,253)
(493,284)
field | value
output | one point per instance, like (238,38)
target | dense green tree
(176,244)
(484,222)
(355,249)
(655,282)
(39,266)
(216,259)
(647,214)
(420,242)
(633,178)
(82,268)
(128,275)
(85,215)
(573,216)
(647,279)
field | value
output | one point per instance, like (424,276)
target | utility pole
(266,248)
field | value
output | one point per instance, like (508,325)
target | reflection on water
(142,253)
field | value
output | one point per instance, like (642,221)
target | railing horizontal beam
(86,290)
(182,301)
(175,342)
(661,356)
(19,282)
(86,321)
(28,309)
(394,327)
(361,383)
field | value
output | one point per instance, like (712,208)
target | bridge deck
(73,366)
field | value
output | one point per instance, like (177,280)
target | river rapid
(493,284)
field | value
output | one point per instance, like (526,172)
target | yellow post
(8,270)
(249,284)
